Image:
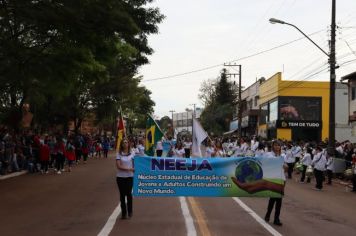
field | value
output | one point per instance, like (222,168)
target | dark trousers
(78,155)
(106,153)
(303,174)
(330,175)
(277,210)
(187,152)
(354,183)
(318,178)
(44,165)
(125,189)
(290,170)
(60,162)
(159,153)
(85,156)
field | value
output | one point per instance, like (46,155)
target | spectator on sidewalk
(70,154)
(44,157)
(330,169)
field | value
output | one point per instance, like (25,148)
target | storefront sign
(298,124)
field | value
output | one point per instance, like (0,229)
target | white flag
(199,135)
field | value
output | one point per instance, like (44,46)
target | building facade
(294,110)
(299,110)
(250,109)
(183,121)
(350,82)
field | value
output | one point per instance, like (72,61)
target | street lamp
(332,63)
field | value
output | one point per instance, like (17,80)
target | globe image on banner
(248,171)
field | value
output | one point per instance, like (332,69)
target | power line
(239,59)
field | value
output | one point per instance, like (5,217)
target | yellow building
(293,110)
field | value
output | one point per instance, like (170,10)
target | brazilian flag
(153,135)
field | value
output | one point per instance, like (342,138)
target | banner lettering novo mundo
(209,177)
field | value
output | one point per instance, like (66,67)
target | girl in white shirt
(124,177)
(209,150)
(306,161)
(219,151)
(179,150)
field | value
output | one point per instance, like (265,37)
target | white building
(183,121)
(350,80)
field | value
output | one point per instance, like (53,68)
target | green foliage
(70,58)
(220,100)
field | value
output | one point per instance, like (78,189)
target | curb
(13,175)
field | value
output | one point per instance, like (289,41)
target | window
(263,114)
(353,93)
(250,104)
(273,111)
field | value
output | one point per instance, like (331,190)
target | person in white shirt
(319,162)
(262,185)
(141,148)
(260,150)
(254,144)
(243,146)
(179,150)
(275,153)
(297,153)
(209,150)
(124,177)
(329,169)
(187,147)
(290,160)
(219,151)
(306,161)
(159,148)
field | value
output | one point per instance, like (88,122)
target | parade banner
(209,177)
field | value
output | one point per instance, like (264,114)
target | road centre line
(189,224)
(199,216)
(111,222)
(257,217)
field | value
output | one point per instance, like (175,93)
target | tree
(61,52)
(220,99)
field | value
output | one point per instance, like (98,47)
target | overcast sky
(197,34)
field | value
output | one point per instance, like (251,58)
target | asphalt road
(81,202)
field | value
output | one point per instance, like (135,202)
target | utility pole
(239,114)
(193,116)
(171,111)
(332,62)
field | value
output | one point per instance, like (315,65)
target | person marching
(290,160)
(319,162)
(275,153)
(187,147)
(306,161)
(159,148)
(124,177)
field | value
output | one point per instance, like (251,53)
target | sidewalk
(3,177)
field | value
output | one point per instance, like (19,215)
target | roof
(349,76)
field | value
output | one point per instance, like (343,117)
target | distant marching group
(308,158)
(40,153)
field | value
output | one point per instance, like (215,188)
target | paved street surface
(81,202)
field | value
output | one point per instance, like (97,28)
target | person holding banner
(124,177)
(276,153)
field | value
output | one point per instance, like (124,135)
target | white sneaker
(59,172)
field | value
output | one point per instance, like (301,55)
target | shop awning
(230,132)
